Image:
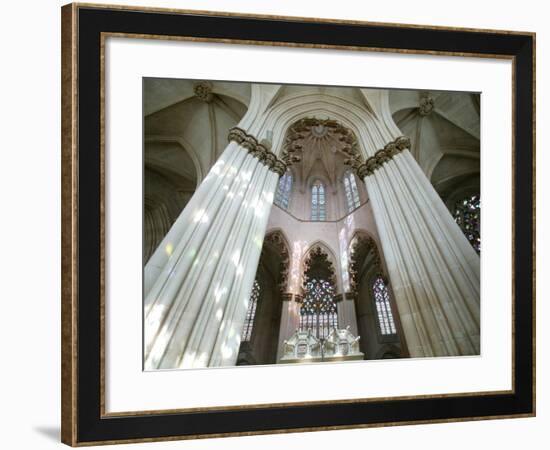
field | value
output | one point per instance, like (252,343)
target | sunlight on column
(154,359)
(342,238)
(295,275)
(218,293)
(202,360)
(350,222)
(258,241)
(200,216)
(169,249)
(215,170)
(240,271)
(154,317)
(268,196)
(236,257)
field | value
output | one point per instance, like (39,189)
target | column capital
(364,169)
(257,149)
(286,296)
(351,295)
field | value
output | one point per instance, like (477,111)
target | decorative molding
(318,257)
(203,91)
(286,297)
(364,169)
(258,150)
(319,129)
(338,298)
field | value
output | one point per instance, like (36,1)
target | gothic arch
(371,133)
(276,240)
(321,254)
(361,246)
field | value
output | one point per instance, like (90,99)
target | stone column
(198,281)
(290,320)
(347,316)
(434,270)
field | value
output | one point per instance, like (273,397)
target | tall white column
(347,315)
(433,269)
(290,320)
(198,282)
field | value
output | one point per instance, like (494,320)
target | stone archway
(366,268)
(272,278)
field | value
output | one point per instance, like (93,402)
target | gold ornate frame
(71,211)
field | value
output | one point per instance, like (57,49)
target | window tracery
(467,213)
(282,196)
(318,201)
(352,193)
(383,309)
(318,310)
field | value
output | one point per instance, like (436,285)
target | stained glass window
(352,193)
(318,310)
(282,196)
(383,309)
(318,202)
(467,215)
(251,312)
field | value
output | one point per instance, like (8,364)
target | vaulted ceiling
(444,128)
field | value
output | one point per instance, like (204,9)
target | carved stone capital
(286,297)
(258,150)
(382,156)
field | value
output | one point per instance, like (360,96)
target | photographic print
(252,201)
(301,224)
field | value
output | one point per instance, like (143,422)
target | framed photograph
(280,224)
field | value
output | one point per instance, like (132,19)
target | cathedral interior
(299,224)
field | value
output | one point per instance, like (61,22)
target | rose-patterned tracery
(318,310)
(467,213)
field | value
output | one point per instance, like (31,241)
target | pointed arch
(366,267)
(318,311)
(362,250)
(276,241)
(320,250)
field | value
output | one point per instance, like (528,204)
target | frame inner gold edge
(105,414)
